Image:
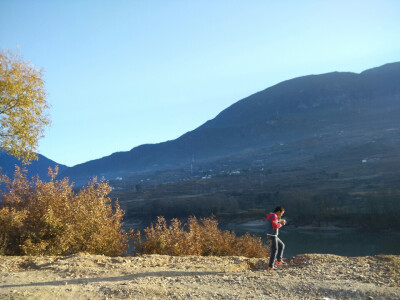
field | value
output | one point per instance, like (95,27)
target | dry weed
(197,238)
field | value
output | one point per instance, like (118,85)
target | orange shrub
(48,218)
(197,238)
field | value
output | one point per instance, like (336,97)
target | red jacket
(273,224)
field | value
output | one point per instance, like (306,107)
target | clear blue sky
(124,73)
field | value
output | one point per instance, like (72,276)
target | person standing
(274,222)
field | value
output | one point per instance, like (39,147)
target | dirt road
(164,277)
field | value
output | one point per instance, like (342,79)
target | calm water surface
(346,242)
(351,243)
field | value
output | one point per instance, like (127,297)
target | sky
(124,73)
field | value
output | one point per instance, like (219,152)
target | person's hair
(279,208)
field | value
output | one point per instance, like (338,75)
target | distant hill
(37,167)
(289,112)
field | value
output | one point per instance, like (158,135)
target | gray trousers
(277,247)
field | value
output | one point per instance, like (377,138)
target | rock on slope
(164,277)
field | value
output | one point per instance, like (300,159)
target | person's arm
(275,223)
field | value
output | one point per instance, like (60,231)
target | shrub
(49,218)
(197,238)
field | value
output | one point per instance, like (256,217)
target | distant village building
(235,173)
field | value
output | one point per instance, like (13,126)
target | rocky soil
(308,276)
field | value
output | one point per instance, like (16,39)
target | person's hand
(283,222)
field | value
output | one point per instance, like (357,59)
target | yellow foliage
(48,218)
(22,106)
(200,238)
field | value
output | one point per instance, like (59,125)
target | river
(345,242)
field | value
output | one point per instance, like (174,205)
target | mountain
(37,167)
(293,110)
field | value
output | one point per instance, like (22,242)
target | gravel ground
(310,276)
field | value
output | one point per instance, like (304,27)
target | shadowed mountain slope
(292,110)
(36,167)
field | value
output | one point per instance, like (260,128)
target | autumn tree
(22,106)
(49,218)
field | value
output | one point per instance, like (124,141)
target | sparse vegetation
(197,237)
(49,218)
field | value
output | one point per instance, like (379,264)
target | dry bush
(197,238)
(48,218)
